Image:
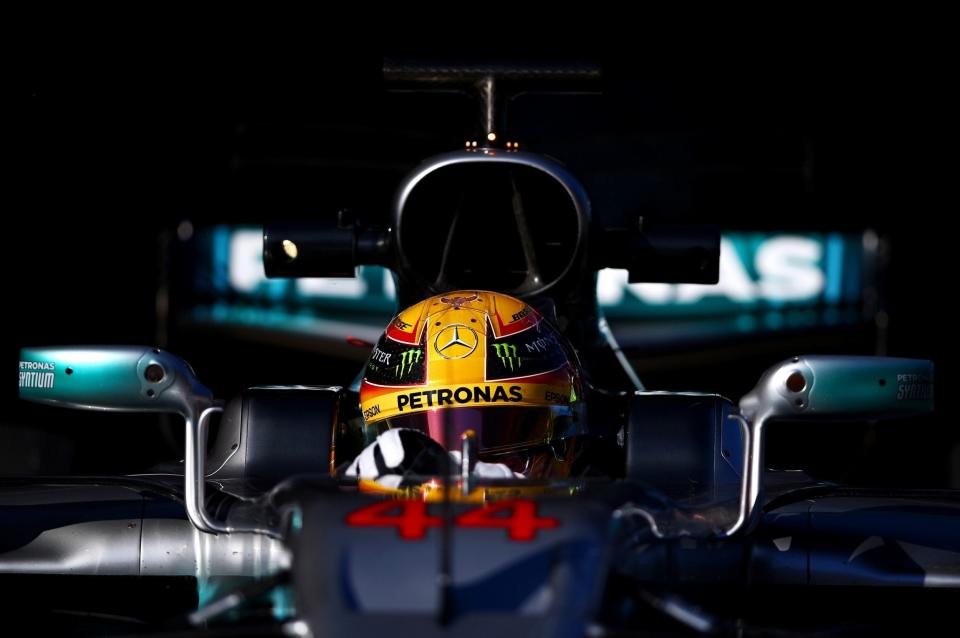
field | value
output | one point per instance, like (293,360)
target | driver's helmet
(481,361)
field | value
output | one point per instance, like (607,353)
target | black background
(112,148)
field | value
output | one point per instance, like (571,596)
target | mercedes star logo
(456,341)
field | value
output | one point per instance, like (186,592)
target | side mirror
(831,387)
(112,378)
(842,387)
(130,379)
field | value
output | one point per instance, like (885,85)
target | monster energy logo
(407,359)
(508,355)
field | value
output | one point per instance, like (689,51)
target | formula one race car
(496,467)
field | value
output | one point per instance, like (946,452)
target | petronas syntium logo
(508,355)
(407,359)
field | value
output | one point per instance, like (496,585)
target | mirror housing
(131,379)
(111,378)
(841,388)
(831,387)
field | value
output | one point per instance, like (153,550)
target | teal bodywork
(115,378)
(881,387)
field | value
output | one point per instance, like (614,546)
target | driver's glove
(402,452)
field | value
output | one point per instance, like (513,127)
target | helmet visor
(497,428)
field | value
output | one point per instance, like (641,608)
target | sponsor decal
(380,356)
(542,344)
(456,341)
(456,302)
(507,353)
(520,315)
(371,412)
(461,395)
(36,379)
(36,374)
(37,365)
(822,271)
(914,387)
(556,397)
(407,359)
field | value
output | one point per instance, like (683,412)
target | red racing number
(409,517)
(517,516)
(521,520)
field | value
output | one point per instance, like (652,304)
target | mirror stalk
(830,387)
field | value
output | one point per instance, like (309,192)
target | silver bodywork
(136,545)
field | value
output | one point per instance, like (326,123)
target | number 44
(517,516)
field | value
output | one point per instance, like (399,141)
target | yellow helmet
(474,360)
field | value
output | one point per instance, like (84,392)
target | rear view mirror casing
(831,387)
